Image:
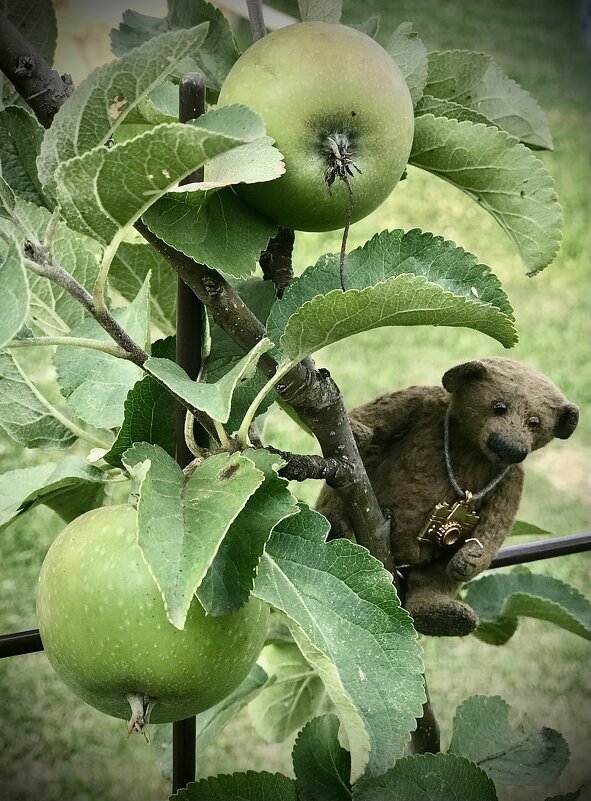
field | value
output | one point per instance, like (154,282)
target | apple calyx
(339,159)
(141,709)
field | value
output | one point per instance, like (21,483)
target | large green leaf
(295,696)
(52,310)
(322,767)
(214,399)
(129,269)
(409,52)
(197,225)
(428,777)
(474,80)
(388,255)
(501,174)
(248,786)
(95,383)
(14,292)
(109,188)
(103,101)
(520,755)
(214,58)
(183,518)
(67,487)
(25,414)
(20,141)
(447,108)
(229,580)
(344,614)
(501,598)
(149,412)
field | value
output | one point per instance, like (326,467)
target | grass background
(54,747)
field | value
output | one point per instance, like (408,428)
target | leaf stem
(222,436)
(243,438)
(79,342)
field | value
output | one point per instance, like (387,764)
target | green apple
(333,99)
(105,631)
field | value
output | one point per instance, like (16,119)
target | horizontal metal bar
(27,642)
(542,549)
(21,642)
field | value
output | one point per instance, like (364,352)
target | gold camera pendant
(450,526)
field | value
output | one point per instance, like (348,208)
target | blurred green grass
(55,747)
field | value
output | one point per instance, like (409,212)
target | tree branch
(40,86)
(257,21)
(275,260)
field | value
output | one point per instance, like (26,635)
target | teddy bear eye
(500,407)
(533,422)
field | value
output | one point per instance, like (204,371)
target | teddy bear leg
(431,602)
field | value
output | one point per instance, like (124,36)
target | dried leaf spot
(116,107)
(228,472)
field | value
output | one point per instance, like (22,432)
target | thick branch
(40,86)
(312,393)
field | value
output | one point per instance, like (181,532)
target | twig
(257,21)
(275,260)
(40,86)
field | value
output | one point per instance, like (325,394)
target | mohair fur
(400,437)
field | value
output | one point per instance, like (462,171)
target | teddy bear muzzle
(506,449)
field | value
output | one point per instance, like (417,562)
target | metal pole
(189,316)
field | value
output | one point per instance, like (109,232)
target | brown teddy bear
(445,464)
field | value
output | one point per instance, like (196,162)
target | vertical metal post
(189,315)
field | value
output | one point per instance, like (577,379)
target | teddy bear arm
(496,518)
(388,416)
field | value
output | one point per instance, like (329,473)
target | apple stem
(141,709)
(339,163)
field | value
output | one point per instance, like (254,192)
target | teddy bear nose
(507,450)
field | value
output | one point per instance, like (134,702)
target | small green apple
(105,631)
(332,98)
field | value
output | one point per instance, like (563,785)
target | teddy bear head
(507,409)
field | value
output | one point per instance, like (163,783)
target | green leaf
(14,296)
(508,596)
(523,529)
(103,101)
(110,188)
(183,519)
(7,199)
(370,27)
(474,80)
(209,724)
(196,225)
(522,755)
(66,487)
(344,614)
(501,174)
(248,786)
(229,580)
(321,766)
(566,796)
(388,255)
(447,108)
(214,399)
(52,310)
(149,412)
(213,59)
(95,383)
(20,141)
(295,695)
(428,777)
(320,10)
(409,52)
(25,414)
(129,270)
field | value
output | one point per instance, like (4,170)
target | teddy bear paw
(453,619)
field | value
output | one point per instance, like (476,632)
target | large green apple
(105,631)
(330,96)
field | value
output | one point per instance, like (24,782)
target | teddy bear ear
(566,421)
(456,376)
